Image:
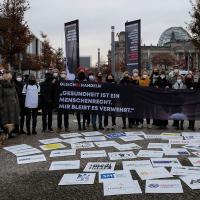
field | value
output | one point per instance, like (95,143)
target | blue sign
(115,135)
(107,176)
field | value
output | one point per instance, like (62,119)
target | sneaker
(149,126)
(140,126)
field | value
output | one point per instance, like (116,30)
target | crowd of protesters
(22,96)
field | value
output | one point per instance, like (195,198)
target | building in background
(174,48)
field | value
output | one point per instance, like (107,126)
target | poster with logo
(115,135)
(126,147)
(132,165)
(95,139)
(131,138)
(176,152)
(150,154)
(121,155)
(133,45)
(158,145)
(93,154)
(72,46)
(78,179)
(65,165)
(50,141)
(195,161)
(106,144)
(84,145)
(163,186)
(121,186)
(185,171)
(70,135)
(165,162)
(192,181)
(61,153)
(146,173)
(92,133)
(113,175)
(31,159)
(99,166)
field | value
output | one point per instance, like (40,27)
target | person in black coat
(19,84)
(47,100)
(162,82)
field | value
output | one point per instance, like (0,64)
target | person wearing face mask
(144,82)
(179,85)
(31,92)
(19,84)
(109,79)
(47,100)
(60,113)
(173,76)
(126,80)
(163,83)
(154,76)
(10,105)
(1,109)
(190,85)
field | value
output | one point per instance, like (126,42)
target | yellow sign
(52,146)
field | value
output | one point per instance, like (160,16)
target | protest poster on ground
(74,140)
(113,175)
(61,153)
(126,147)
(192,181)
(84,145)
(150,154)
(165,162)
(51,141)
(115,135)
(92,133)
(70,135)
(185,171)
(31,159)
(106,144)
(176,152)
(195,161)
(121,155)
(146,173)
(48,147)
(78,179)
(95,139)
(93,154)
(121,186)
(163,186)
(99,166)
(132,165)
(131,138)
(64,165)
(158,145)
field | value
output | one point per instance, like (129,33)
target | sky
(97,16)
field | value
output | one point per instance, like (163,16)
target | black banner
(133,45)
(72,45)
(131,100)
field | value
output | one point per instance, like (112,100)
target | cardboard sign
(163,186)
(84,145)
(121,186)
(113,175)
(158,145)
(31,159)
(185,171)
(146,173)
(70,135)
(176,152)
(93,154)
(78,179)
(131,138)
(126,147)
(132,165)
(121,155)
(50,141)
(65,165)
(99,166)
(48,147)
(92,133)
(192,181)
(165,162)
(195,161)
(60,153)
(115,135)
(106,144)
(95,139)
(150,154)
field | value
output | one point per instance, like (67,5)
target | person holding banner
(109,79)
(144,82)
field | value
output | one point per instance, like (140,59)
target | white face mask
(91,78)
(179,81)
(63,76)
(135,74)
(55,74)
(1,77)
(145,76)
(162,76)
(19,79)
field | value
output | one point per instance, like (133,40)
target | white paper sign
(92,133)
(93,154)
(78,179)
(99,166)
(48,147)
(163,186)
(125,147)
(26,152)
(176,152)
(106,144)
(84,145)
(74,140)
(113,175)
(196,153)
(192,181)
(95,139)
(119,187)
(70,135)
(158,145)
(165,162)
(132,165)
(195,161)
(131,138)
(153,136)
(30,159)
(150,154)
(132,133)
(64,165)
(185,171)
(65,152)
(146,173)
(121,155)
(50,141)
(17,147)
(195,147)
(174,141)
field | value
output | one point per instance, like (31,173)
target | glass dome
(173,33)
